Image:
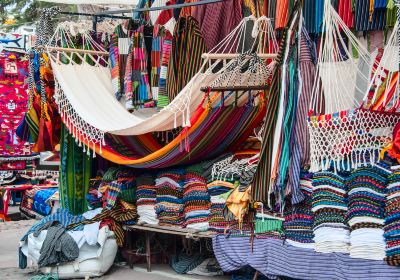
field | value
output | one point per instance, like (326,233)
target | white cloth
(89,92)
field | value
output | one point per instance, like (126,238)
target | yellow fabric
(238,203)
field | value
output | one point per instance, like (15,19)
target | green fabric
(128,195)
(267,225)
(75,169)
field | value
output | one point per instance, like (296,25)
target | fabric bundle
(329,205)
(196,202)
(392,220)
(365,216)
(169,207)
(146,199)
(218,191)
(299,219)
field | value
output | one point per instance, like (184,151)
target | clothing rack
(175,6)
(235,88)
(234,55)
(95,17)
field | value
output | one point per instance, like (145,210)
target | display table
(149,234)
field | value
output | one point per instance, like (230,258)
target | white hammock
(360,129)
(89,109)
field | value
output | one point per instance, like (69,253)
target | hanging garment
(185,59)
(345,11)
(391,13)
(75,167)
(282,13)
(217,20)
(136,80)
(119,50)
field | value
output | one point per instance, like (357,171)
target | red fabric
(13,103)
(217,20)
(345,12)
(395,151)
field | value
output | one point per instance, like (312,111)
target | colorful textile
(13,103)
(136,80)
(123,212)
(196,201)
(275,258)
(217,20)
(262,179)
(163,99)
(218,191)
(392,220)
(299,218)
(119,47)
(329,205)
(365,216)
(75,171)
(169,207)
(185,58)
(146,193)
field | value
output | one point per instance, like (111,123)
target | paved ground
(11,232)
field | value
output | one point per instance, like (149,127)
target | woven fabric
(75,171)
(329,205)
(13,103)
(217,20)
(185,58)
(115,217)
(299,218)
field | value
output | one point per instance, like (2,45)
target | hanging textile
(391,13)
(262,178)
(13,105)
(75,167)
(370,15)
(42,122)
(119,49)
(136,80)
(185,59)
(217,20)
(282,13)
(345,11)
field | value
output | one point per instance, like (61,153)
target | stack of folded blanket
(196,201)
(218,191)
(329,205)
(392,220)
(169,207)
(299,218)
(366,194)
(146,199)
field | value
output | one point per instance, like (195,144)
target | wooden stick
(235,55)
(59,49)
(235,88)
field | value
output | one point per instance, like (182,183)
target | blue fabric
(274,257)
(39,201)
(62,216)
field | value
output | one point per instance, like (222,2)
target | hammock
(95,118)
(356,120)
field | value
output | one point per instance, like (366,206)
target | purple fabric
(274,257)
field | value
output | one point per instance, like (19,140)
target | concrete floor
(11,232)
